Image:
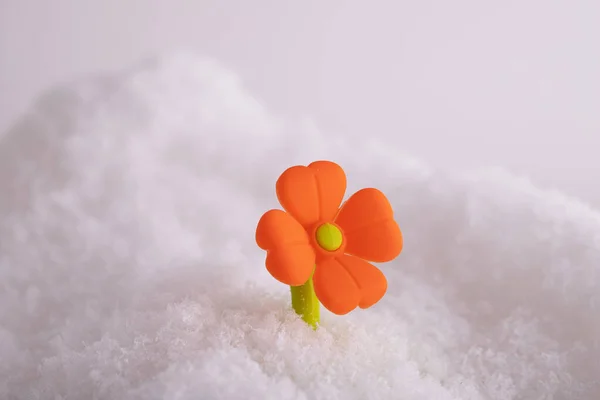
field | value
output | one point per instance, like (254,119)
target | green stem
(305,303)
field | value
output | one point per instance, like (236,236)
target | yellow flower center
(329,237)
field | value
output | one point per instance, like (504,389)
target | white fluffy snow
(128,267)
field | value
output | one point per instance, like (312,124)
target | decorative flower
(316,238)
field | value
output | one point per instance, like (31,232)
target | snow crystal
(128,267)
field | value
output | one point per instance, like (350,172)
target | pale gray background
(463,83)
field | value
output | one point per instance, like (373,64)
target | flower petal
(292,264)
(312,194)
(277,228)
(369,279)
(290,257)
(334,286)
(370,231)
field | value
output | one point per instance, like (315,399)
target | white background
(463,83)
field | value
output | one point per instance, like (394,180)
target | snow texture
(129,270)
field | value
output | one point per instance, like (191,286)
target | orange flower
(314,234)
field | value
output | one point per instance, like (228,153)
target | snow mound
(128,267)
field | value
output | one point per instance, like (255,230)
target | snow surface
(128,267)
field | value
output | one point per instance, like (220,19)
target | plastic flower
(315,237)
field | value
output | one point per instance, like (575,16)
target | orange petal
(277,228)
(292,264)
(290,257)
(369,279)
(370,231)
(312,194)
(335,288)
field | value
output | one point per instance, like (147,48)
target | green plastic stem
(305,303)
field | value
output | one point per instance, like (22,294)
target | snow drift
(128,267)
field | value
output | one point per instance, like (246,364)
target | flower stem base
(305,303)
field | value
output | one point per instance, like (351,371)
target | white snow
(128,267)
